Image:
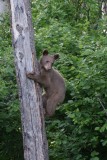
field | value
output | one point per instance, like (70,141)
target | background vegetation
(77,31)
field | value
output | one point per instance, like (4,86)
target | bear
(51,81)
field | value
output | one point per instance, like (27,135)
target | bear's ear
(45,52)
(56,56)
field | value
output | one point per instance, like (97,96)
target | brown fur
(52,82)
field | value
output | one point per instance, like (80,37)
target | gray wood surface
(33,127)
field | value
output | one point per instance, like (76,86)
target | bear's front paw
(30,74)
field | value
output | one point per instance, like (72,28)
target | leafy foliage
(74,29)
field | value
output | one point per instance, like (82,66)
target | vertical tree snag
(34,137)
(104,8)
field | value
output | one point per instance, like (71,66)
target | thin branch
(102,105)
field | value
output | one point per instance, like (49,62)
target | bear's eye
(47,61)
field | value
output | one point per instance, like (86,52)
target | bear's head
(47,60)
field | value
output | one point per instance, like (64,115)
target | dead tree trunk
(34,137)
(104,8)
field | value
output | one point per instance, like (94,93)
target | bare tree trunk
(104,8)
(33,127)
(4,6)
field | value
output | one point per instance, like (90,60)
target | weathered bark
(104,8)
(4,6)
(34,137)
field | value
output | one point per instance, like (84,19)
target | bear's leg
(44,99)
(51,105)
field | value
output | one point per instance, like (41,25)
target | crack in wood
(19,28)
(21,56)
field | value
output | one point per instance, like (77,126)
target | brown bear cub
(52,82)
